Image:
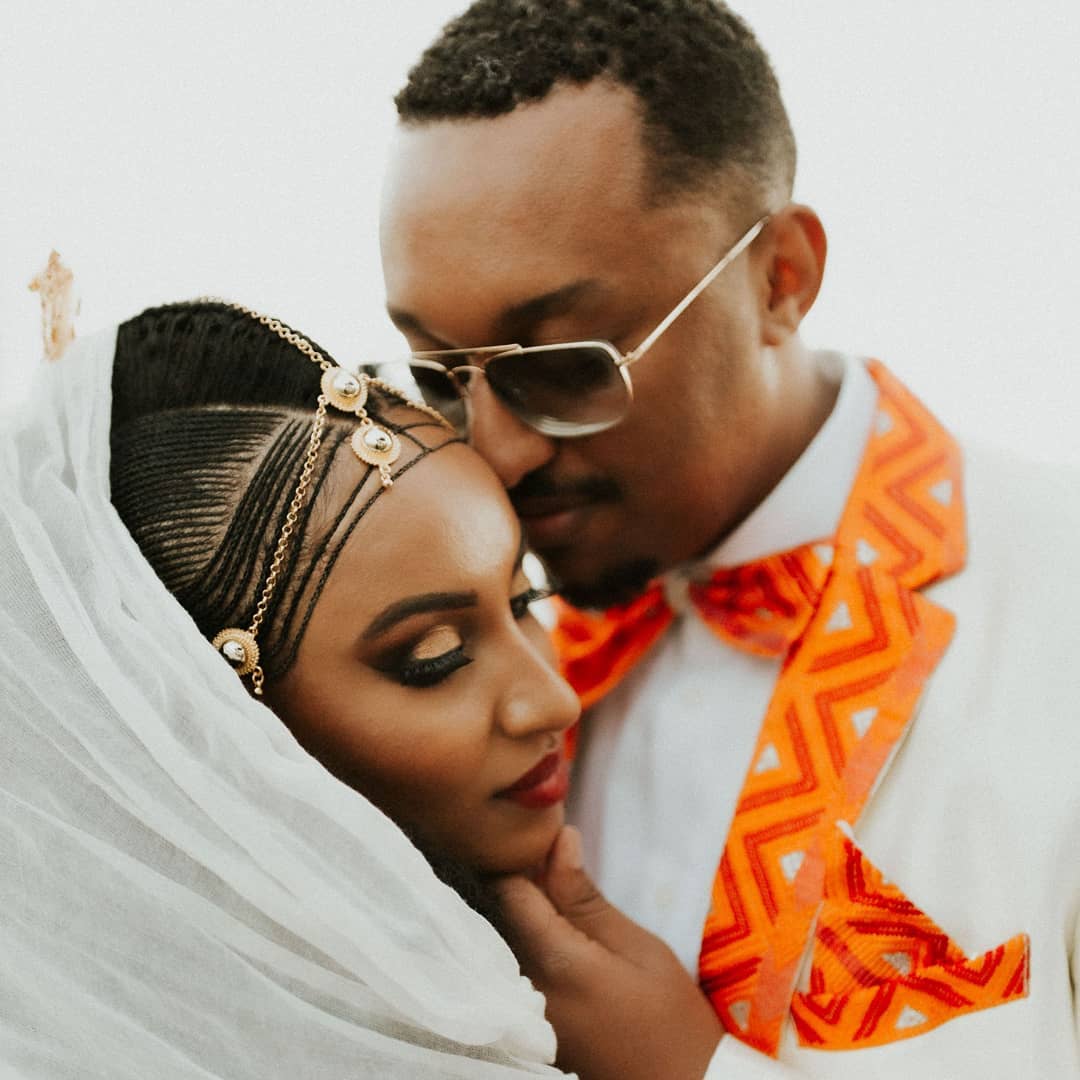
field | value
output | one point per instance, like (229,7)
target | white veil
(184,892)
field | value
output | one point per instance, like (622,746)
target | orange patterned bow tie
(762,607)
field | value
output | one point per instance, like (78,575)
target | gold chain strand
(291,517)
(313,354)
(373,444)
(420,406)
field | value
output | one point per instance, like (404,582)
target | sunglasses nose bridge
(461,375)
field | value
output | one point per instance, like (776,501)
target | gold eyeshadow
(437,641)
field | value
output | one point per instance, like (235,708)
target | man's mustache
(542,485)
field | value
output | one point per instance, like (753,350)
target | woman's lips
(545,784)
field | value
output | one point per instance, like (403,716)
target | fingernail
(572,853)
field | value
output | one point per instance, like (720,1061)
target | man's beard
(619,585)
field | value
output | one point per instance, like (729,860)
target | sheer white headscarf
(184,891)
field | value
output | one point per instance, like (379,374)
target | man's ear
(795,265)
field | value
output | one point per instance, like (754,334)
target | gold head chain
(373,444)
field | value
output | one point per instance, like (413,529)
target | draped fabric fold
(184,891)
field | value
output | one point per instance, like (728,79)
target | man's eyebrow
(513,321)
(517,318)
(394,613)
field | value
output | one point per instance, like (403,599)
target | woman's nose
(538,698)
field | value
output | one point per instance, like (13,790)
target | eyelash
(520,604)
(432,670)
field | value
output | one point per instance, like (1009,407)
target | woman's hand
(621,1004)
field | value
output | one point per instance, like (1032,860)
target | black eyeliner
(433,669)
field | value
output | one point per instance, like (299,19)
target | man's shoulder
(1027,504)
(1016,464)
(1023,535)
(1017,606)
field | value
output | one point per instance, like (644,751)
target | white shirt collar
(809,500)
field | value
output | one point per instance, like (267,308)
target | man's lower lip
(554,530)
(547,793)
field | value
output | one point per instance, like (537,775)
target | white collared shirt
(664,756)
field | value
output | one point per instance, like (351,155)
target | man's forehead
(486,215)
(581,139)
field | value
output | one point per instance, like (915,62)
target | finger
(549,947)
(574,896)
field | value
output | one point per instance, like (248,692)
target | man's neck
(803,391)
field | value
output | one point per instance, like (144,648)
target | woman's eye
(519,605)
(437,655)
(429,670)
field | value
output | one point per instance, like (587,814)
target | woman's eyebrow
(393,613)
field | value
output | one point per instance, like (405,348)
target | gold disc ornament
(343,389)
(375,445)
(239,648)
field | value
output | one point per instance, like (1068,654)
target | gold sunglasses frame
(432,359)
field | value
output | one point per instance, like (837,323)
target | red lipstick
(545,784)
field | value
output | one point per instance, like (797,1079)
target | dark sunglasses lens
(562,392)
(429,384)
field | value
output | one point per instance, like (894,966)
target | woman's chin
(522,849)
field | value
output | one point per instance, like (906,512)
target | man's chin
(609,587)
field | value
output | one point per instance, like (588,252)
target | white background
(170,150)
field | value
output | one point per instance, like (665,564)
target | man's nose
(509,446)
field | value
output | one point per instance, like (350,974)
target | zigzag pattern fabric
(859,642)
(882,970)
(763,608)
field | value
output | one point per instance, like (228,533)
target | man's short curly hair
(710,103)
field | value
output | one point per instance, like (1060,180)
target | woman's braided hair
(211,418)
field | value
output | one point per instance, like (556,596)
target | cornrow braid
(211,421)
(151,452)
(709,99)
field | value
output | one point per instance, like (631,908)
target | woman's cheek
(437,744)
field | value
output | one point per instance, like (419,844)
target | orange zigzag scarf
(859,642)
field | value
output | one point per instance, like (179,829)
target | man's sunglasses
(566,390)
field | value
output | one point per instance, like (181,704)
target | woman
(185,891)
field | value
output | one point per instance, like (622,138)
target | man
(808,764)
